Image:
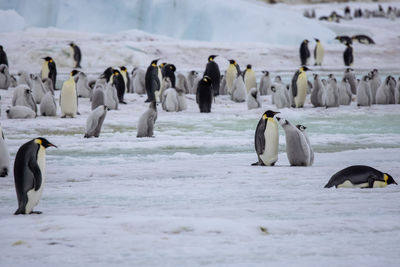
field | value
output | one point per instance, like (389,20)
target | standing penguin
(304,53)
(280,95)
(49,70)
(386,92)
(351,77)
(3,56)
(82,86)
(375,83)
(249,78)
(212,71)
(68,97)
(348,56)
(4,156)
(38,89)
(364,97)
(191,77)
(30,174)
(22,96)
(253,99)
(48,106)
(138,81)
(238,89)
(299,87)
(146,122)
(111,96)
(118,82)
(169,71)
(152,81)
(205,94)
(318,53)
(266,140)
(95,121)
(265,83)
(231,74)
(76,52)
(302,129)
(331,94)
(345,94)
(98,97)
(127,80)
(317,92)
(397,92)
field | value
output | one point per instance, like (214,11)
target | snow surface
(188,196)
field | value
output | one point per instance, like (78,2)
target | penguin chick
(20,112)
(48,106)
(146,121)
(253,99)
(95,121)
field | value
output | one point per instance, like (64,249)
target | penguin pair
(117,80)
(213,72)
(49,70)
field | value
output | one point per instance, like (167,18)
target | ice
(11,21)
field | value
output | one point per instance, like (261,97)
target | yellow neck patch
(38,141)
(271,120)
(154,65)
(50,60)
(385,177)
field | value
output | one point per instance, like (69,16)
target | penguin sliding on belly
(30,174)
(360,176)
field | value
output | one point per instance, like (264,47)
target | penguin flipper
(259,137)
(294,83)
(37,174)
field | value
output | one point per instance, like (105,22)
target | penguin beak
(50,144)
(276,113)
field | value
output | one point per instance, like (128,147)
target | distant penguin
(170,100)
(375,83)
(68,97)
(239,89)
(360,176)
(347,13)
(364,96)
(266,140)
(22,96)
(95,121)
(302,129)
(5,77)
(344,39)
(205,94)
(118,82)
(331,94)
(345,93)
(317,92)
(4,156)
(3,56)
(397,92)
(212,71)
(146,122)
(265,83)
(385,92)
(249,78)
(20,112)
(38,89)
(98,97)
(231,74)
(76,54)
(181,83)
(299,87)
(191,77)
(169,71)
(304,53)
(351,77)
(182,105)
(48,85)
(110,96)
(49,70)
(253,99)
(363,39)
(24,78)
(48,106)
(348,56)
(152,81)
(82,86)
(318,53)
(280,95)
(222,86)
(138,81)
(297,149)
(30,174)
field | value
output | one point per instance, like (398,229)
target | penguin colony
(163,84)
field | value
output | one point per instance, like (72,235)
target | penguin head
(153,105)
(71,44)
(317,40)
(273,89)
(162,65)
(266,73)
(248,67)
(74,72)
(122,68)
(48,59)
(43,142)
(154,62)
(172,67)
(315,76)
(1,48)
(193,72)
(365,78)
(116,72)
(232,61)
(207,79)
(388,179)
(305,41)
(211,57)
(301,127)
(106,108)
(304,68)
(269,114)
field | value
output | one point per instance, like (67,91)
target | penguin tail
(256,164)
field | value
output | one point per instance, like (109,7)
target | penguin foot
(35,212)
(63,117)
(257,164)
(122,102)
(147,101)
(78,113)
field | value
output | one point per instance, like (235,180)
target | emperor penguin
(331,94)
(107,74)
(5,77)
(4,156)
(297,149)
(38,89)
(152,81)
(344,39)
(345,94)
(230,75)
(68,97)
(169,71)
(48,106)
(205,94)
(22,96)
(146,121)
(110,96)
(265,83)
(195,86)
(165,84)
(49,70)
(222,86)
(82,86)
(386,91)
(299,87)
(266,140)
(125,76)
(239,90)
(348,56)
(351,77)
(212,71)
(280,95)
(3,56)
(95,121)
(253,99)
(181,83)
(397,92)
(302,129)
(118,82)
(375,82)
(249,78)
(364,96)
(24,78)
(30,174)
(20,112)
(138,81)
(363,39)
(318,53)
(98,96)
(182,105)
(304,53)
(77,55)
(48,85)
(191,77)
(317,92)
(360,176)
(170,100)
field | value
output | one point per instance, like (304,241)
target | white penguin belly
(320,54)
(34,196)
(348,184)
(45,70)
(302,87)
(271,136)
(69,105)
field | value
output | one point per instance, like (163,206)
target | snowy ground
(188,196)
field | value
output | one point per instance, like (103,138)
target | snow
(188,196)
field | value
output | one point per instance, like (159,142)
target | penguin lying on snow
(20,112)
(360,176)
(363,39)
